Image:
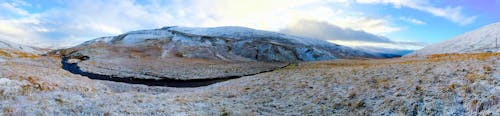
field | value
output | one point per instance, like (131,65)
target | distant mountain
(484,39)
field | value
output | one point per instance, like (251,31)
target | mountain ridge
(234,33)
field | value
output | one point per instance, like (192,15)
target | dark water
(73,68)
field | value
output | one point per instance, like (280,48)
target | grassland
(446,84)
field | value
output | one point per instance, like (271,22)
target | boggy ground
(449,84)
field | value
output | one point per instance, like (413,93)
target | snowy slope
(7,45)
(10,50)
(483,39)
(244,33)
(230,43)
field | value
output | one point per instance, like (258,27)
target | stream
(75,69)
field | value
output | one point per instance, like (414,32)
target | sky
(405,24)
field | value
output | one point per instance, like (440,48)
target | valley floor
(448,84)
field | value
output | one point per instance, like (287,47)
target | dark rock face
(262,51)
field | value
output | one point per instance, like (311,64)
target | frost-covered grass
(451,85)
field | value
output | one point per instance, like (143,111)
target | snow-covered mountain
(222,43)
(484,39)
(7,45)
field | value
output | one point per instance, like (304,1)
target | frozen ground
(450,84)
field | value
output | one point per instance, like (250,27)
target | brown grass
(18,54)
(452,57)
(455,56)
(5,54)
(35,84)
(25,55)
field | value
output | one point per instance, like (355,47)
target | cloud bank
(349,37)
(327,31)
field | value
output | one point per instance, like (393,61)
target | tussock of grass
(5,54)
(456,56)
(17,54)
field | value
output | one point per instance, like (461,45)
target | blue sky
(55,23)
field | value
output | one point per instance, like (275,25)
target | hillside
(7,45)
(9,50)
(484,39)
(219,52)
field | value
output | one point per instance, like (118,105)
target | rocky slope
(484,39)
(171,52)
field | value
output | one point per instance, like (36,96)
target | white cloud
(19,3)
(12,8)
(395,45)
(78,21)
(371,25)
(453,14)
(412,20)
(327,31)
(348,37)
(275,15)
(24,30)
